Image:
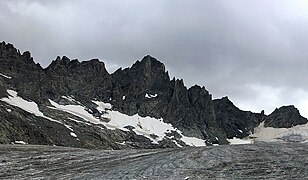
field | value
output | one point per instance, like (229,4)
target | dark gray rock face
(284,117)
(235,122)
(25,74)
(84,80)
(132,84)
(15,64)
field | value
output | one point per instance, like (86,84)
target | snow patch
(73,134)
(69,127)
(192,141)
(8,77)
(176,143)
(20,142)
(102,106)
(76,110)
(122,143)
(28,106)
(9,110)
(240,141)
(150,95)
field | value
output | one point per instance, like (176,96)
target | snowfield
(270,134)
(240,141)
(28,106)
(145,126)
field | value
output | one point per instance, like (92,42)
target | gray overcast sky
(255,52)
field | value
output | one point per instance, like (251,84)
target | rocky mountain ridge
(144,90)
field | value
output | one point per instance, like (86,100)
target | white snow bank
(8,77)
(192,141)
(20,142)
(76,110)
(240,141)
(145,126)
(69,127)
(28,106)
(150,95)
(73,134)
(270,134)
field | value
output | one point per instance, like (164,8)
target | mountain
(284,117)
(80,104)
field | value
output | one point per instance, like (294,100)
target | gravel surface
(255,161)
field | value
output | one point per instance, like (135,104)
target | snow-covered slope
(29,106)
(153,129)
(297,133)
(235,141)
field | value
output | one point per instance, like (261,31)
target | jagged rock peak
(15,64)
(197,91)
(197,86)
(178,82)
(145,75)
(285,117)
(225,98)
(64,64)
(64,60)
(67,60)
(27,55)
(226,101)
(7,48)
(149,63)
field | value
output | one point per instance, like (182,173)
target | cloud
(255,52)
